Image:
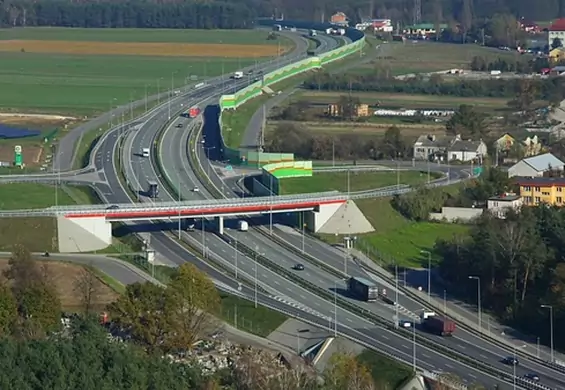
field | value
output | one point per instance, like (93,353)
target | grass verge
(242,314)
(387,373)
(358,181)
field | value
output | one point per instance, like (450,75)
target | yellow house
(504,143)
(557,54)
(537,190)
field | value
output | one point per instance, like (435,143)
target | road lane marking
(277,283)
(405,346)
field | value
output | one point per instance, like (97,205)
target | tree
(141,312)
(191,299)
(344,371)
(526,94)
(38,303)
(556,43)
(8,310)
(85,285)
(466,122)
(348,107)
(393,144)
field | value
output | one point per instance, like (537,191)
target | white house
(499,205)
(461,150)
(556,30)
(535,166)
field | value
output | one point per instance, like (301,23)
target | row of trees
(550,89)
(128,14)
(483,64)
(467,17)
(294,138)
(520,263)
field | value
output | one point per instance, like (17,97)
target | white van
(242,226)
(145,152)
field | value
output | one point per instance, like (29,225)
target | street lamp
(429,273)
(550,326)
(335,306)
(478,279)
(260,254)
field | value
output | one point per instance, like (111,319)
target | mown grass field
(38,234)
(397,240)
(358,181)
(423,57)
(402,100)
(87,71)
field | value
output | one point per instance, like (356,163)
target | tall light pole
(255,280)
(396,293)
(179,227)
(550,326)
(236,258)
(478,279)
(303,227)
(335,308)
(429,273)
(413,345)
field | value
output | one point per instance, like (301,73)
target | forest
(242,13)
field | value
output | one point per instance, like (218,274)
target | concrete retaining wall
(454,214)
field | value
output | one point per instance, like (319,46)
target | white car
(196,189)
(405,324)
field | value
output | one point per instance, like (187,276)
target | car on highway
(298,267)
(179,125)
(113,207)
(196,189)
(510,360)
(405,324)
(532,376)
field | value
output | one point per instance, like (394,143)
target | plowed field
(140,49)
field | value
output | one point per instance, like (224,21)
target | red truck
(438,325)
(193,112)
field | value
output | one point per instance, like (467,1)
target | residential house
(532,146)
(359,110)
(504,143)
(430,147)
(556,55)
(499,205)
(556,30)
(340,19)
(423,30)
(529,27)
(466,150)
(537,190)
(535,166)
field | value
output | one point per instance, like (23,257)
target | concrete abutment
(83,234)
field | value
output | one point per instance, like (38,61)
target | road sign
(18,160)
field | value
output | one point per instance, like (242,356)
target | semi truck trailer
(438,325)
(363,289)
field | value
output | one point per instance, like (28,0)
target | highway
(281,292)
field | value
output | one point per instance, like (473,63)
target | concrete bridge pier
(84,234)
(221,225)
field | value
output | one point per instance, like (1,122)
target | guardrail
(236,156)
(344,304)
(462,323)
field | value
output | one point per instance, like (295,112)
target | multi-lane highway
(274,290)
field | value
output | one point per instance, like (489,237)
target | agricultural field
(63,276)
(64,76)
(358,181)
(424,57)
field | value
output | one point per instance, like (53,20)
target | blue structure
(7,132)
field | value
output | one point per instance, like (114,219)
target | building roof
(432,141)
(540,181)
(505,198)
(464,146)
(542,162)
(558,25)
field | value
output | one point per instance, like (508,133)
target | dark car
(113,207)
(298,267)
(510,360)
(532,376)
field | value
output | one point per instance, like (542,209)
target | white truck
(145,152)
(242,226)
(238,75)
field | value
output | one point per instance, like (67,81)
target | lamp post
(429,273)
(550,326)
(335,307)
(478,279)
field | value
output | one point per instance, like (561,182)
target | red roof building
(556,31)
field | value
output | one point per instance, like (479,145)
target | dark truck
(363,289)
(437,325)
